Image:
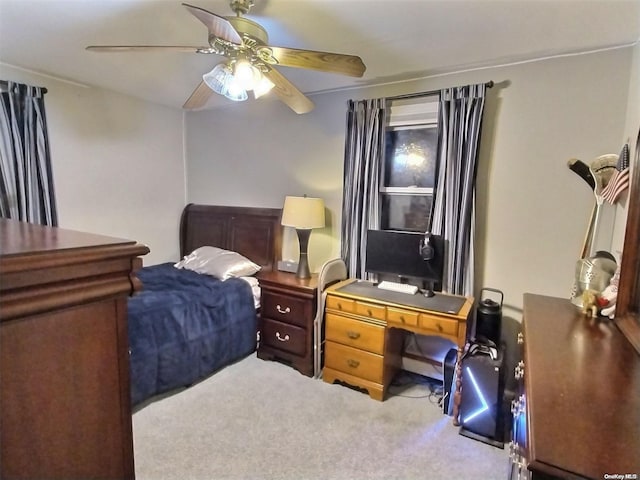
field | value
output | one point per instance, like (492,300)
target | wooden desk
(364,331)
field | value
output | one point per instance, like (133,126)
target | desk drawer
(354,333)
(370,310)
(358,363)
(286,308)
(439,325)
(402,317)
(341,304)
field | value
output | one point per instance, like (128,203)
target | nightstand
(287,310)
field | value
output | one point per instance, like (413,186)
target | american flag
(619,181)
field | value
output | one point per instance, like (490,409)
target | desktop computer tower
(481,406)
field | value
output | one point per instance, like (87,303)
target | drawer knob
(369,312)
(283,311)
(402,318)
(518,406)
(513,449)
(339,306)
(282,339)
(353,363)
(439,327)
(353,335)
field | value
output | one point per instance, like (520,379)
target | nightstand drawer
(439,325)
(354,333)
(283,337)
(285,308)
(354,362)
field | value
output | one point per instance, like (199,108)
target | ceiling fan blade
(199,97)
(218,26)
(323,61)
(146,48)
(288,93)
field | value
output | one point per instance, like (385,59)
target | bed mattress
(183,326)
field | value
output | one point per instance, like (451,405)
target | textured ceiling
(396,39)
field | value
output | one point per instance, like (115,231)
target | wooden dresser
(287,310)
(65,407)
(578,412)
(364,329)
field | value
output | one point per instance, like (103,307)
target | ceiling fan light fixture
(246,74)
(222,81)
(234,90)
(263,87)
(238,38)
(216,79)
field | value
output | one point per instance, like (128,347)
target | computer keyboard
(398,287)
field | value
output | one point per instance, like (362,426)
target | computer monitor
(400,254)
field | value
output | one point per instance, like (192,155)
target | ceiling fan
(251,61)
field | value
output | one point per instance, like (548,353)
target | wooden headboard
(255,233)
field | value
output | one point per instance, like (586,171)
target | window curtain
(459,127)
(26,181)
(361,198)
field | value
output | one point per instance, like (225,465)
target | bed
(183,325)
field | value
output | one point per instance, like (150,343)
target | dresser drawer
(286,308)
(353,361)
(341,304)
(354,333)
(402,317)
(283,336)
(439,325)
(370,310)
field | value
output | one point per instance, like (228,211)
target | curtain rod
(5,84)
(488,84)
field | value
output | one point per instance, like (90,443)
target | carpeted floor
(263,420)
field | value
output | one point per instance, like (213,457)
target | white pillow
(255,289)
(220,263)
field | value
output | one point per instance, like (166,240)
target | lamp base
(303,264)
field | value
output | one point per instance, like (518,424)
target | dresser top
(45,268)
(582,381)
(22,238)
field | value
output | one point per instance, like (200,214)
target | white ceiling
(396,39)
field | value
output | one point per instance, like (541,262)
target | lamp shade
(303,213)
(222,81)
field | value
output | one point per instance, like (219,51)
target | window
(409,165)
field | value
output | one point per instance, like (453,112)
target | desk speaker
(481,412)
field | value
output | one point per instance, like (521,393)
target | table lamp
(304,214)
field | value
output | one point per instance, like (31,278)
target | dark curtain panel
(460,121)
(26,181)
(364,149)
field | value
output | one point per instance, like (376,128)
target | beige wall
(117,163)
(632,125)
(532,210)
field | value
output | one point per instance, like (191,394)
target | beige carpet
(263,420)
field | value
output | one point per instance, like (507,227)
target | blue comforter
(183,326)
